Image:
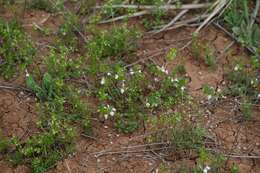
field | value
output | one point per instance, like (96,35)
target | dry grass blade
(175,19)
(219,6)
(137,14)
(163,7)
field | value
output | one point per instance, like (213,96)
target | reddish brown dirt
(18,114)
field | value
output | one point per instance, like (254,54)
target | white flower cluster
(132,72)
(206,169)
(111,111)
(163,69)
(176,82)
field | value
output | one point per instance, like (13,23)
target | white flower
(26,73)
(114,109)
(102,82)
(109,74)
(176,80)
(106,116)
(112,113)
(209,97)
(258,95)
(116,76)
(236,68)
(219,90)
(147,104)
(206,169)
(182,88)
(166,72)
(172,80)
(156,79)
(122,90)
(131,71)
(139,71)
(252,82)
(163,69)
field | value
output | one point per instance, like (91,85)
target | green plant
(60,63)
(211,92)
(210,59)
(106,46)
(68,29)
(239,19)
(202,52)
(128,97)
(47,5)
(244,81)
(175,130)
(54,95)
(234,169)
(246,109)
(208,162)
(116,42)
(43,150)
(4,143)
(16,50)
(59,104)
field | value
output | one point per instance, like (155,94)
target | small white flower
(109,74)
(209,97)
(218,90)
(147,104)
(122,90)
(166,72)
(176,80)
(252,82)
(26,73)
(106,116)
(131,72)
(112,113)
(236,68)
(258,95)
(102,82)
(139,71)
(116,76)
(182,88)
(114,109)
(206,169)
(172,80)
(156,79)
(163,69)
